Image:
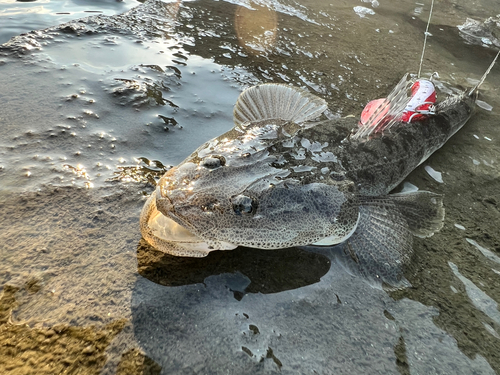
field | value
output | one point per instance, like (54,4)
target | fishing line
(425,39)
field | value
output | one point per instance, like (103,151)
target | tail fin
(475,88)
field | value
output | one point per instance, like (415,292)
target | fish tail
(473,91)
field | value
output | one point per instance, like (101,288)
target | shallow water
(82,101)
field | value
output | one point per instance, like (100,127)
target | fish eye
(243,204)
(213,161)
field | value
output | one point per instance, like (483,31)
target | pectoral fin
(423,211)
(380,249)
(381,246)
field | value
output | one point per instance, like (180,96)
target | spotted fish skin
(376,165)
(241,188)
(382,163)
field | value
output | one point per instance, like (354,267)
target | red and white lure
(381,114)
(421,104)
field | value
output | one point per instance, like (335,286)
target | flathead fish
(279,179)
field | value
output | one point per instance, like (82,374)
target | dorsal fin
(394,105)
(277,101)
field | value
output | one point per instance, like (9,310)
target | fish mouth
(175,235)
(170,230)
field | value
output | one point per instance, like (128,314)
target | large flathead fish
(278,180)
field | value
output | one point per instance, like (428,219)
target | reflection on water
(19,17)
(106,102)
(480,299)
(487,253)
(256,28)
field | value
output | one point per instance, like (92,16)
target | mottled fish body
(278,179)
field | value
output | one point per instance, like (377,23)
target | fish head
(239,190)
(236,191)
